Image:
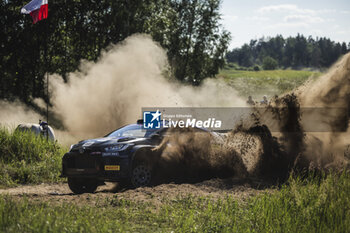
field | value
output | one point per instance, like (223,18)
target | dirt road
(214,188)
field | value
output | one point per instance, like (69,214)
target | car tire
(141,175)
(82,185)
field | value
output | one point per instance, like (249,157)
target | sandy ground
(214,188)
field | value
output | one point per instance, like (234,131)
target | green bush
(256,68)
(26,158)
(269,63)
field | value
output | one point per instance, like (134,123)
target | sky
(252,19)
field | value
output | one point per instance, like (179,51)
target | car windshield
(134,130)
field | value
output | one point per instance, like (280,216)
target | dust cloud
(306,129)
(310,125)
(14,113)
(328,150)
(104,95)
(111,92)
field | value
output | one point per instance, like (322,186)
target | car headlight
(71,146)
(118,147)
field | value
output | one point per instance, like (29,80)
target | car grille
(82,161)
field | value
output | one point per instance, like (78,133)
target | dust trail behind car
(251,149)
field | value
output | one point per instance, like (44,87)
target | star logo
(151,119)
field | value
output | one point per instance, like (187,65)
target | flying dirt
(312,124)
(252,149)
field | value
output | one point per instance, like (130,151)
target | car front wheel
(82,185)
(141,175)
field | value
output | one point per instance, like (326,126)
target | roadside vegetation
(265,82)
(28,159)
(313,204)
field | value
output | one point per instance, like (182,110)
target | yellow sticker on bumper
(112,167)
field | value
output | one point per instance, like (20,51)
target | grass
(266,82)
(28,159)
(304,205)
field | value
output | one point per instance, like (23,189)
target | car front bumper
(95,165)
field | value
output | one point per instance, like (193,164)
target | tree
(190,31)
(269,63)
(315,57)
(296,52)
(344,48)
(197,44)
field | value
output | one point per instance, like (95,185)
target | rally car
(125,156)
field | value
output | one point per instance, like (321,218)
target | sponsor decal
(110,153)
(112,167)
(95,153)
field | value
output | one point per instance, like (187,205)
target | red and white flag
(38,9)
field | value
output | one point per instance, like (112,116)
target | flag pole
(38,9)
(47,77)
